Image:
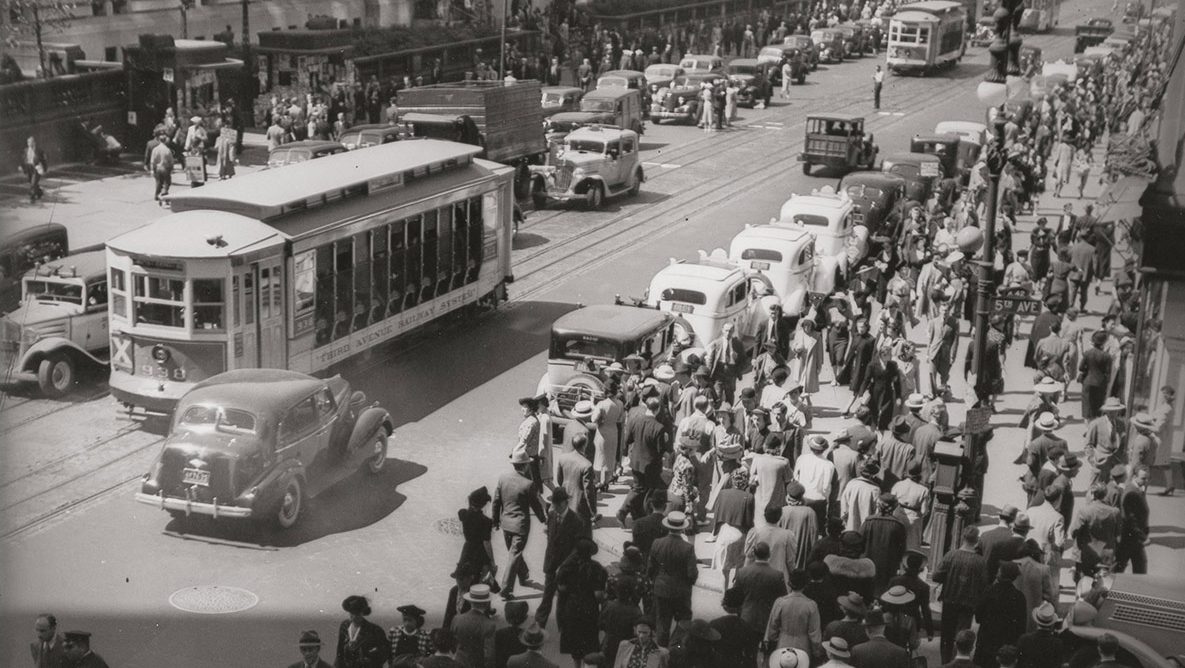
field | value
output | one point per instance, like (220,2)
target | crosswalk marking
(661,165)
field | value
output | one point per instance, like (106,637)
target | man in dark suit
(964,646)
(648,529)
(1001,615)
(47,649)
(760,584)
(1094,372)
(1008,547)
(999,533)
(878,651)
(647,439)
(515,499)
(673,570)
(532,638)
(77,649)
(575,474)
(564,528)
(475,629)
(1041,648)
(310,652)
(1134,504)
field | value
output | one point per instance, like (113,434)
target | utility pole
(185,7)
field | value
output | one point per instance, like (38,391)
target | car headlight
(578,172)
(30,335)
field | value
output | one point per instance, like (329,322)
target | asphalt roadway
(104,563)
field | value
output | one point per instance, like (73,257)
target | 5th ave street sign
(1016,305)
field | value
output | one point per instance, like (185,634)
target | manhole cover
(213,599)
(449,526)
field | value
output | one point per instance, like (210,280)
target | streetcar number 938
(195,477)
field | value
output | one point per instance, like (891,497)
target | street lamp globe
(991,93)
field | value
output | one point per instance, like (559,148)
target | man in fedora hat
(858,500)
(76,645)
(673,568)
(515,498)
(1115,485)
(1005,547)
(1068,466)
(475,629)
(532,638)
(914,404)
(310,652)
(1042,647)
(817,476)
(1134,504)
(878,651)
(1096,527)
(565,528)
(1001,615)
(851,627)
(410,642)
(838,652)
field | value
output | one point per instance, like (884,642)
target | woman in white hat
(1045,399)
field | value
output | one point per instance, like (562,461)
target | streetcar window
(461,243)
(159,301)
(305,284)
(361,315)
(343,293)
(378,273)
(119,297)
(397,275)
(52,291)
(444,251)
(207,303)
(431,241)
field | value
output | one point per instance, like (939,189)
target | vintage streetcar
(305,266)
(259,443)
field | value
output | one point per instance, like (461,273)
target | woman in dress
(806,358)
(409,641)
(732,518)
(580,582)
(360,642)
(838,313)
(683,492)
(477,554)
(881,383)
(608,414)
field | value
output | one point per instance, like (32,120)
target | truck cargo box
(509,118)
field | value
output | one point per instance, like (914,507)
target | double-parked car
(830,44)
(856,41)
(259,444)
(592,163)
(681,101)
(778,55)
(753,81)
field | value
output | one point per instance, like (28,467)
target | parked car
(661,75)
(624,103)
(783,254)
(838,141)
(779,54)
(1144,613)
(681,101)
(971,137)
(23,248)
(840,244)
(1092,33)
(586,341)
(806,45)
(752,78)
(558,99)
(560,125)
(855,40)
(631,79)
(874,195)
(830,44)
(300,151)
(363,136)
(60,326)
(694,63)
(593,163)
(260,444)
(921,172)
(944,146)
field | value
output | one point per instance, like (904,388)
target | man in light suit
(575,474)
(794,620)
(47,649)
(515,498)
(532,638)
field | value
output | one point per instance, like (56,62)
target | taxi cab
(784,255)
(706,294)
(586,341)
(260,443)
(841,244)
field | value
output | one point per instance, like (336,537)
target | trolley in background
(1040,15)
(925,36)
(304,266)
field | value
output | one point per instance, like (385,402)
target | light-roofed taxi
(784,255)
(840,243)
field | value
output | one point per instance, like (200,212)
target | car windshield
(661,71)
(809,219)
(553,99)
(863,191)
(771,52)
(613,82)
(54,291)
(595,104)
(223,419)
(683,295)
(742,69)
(800,41)
(586,145)
(561,126)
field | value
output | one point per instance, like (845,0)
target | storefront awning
(1121,200)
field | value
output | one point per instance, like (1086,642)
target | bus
(1040,15)
(926,36)
(304,266)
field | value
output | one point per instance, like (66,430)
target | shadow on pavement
(527,240)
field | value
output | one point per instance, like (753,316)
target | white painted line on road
(662,165)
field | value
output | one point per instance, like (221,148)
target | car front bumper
(665,114)
(189,507)
(566,196)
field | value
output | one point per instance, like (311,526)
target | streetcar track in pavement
(54,406)
(40,467)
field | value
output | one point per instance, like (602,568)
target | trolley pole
(502,41)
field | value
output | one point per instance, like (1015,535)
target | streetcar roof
(269,194)
(606,321)
(198,234)
(937,6)
(916,17)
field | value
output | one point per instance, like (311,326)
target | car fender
(370,421)
(584,184)
(272,484)
(39,350)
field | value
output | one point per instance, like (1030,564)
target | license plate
(196,477)
(759,265)
(682,308)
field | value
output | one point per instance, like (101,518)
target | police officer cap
(77,637)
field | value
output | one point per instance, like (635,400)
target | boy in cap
(310,652)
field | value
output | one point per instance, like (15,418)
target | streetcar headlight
(160,354)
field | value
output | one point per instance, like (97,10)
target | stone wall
(51,110)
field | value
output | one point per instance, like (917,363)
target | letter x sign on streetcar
(1016,305)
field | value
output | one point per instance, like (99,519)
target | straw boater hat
(1144,421)
(478,594)
(789,657)
(1046,422)
(675,521)
(582,409)
(837,647)
(915,400)
(520,457)
(954,257)
(1112,404)
(1047,386)
(898,595)
(616,367)
(664,372)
